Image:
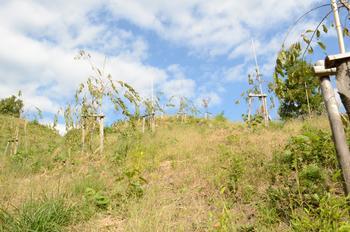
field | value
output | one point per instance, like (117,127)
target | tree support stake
(338,132)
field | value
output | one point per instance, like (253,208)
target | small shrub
(128,140)
(235,172)
(97,198)
(220,117)
(130,187)
(304,183)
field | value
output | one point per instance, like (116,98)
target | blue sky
(193,48)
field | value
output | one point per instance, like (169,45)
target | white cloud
(210,27)
(178,85)
(236,73)
(40,39)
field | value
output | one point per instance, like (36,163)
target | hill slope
(193,176)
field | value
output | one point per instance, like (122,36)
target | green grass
(41,215)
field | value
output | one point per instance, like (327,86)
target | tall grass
(41,215)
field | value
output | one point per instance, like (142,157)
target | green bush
(305,184)
(11,106)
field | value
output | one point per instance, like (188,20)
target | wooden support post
(7,147)
(265,113)
(15,141)
(153,123)
(249,108)
(339,136)
(25,136)
(342,64)
(101,122)
(143,124)
(100,119)
(83,134)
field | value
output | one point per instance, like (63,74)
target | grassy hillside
(194,176)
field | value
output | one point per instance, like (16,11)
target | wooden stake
(261,96)
(153,123)
(343,79)
(143,124)
(7,146)
(266,113)
(101,121)
(15,142)
(25,136)
(83,134)
(249,108)
(342,64)
(307,99)
(339,136)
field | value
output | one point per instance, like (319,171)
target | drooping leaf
(322,45)
(325,29)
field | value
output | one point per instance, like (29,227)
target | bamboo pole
(338,26)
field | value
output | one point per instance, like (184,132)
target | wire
(314,33)
(299,19)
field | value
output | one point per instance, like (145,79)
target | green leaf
(318,33)
(322,45)
(310,50)
(346,31)
(307,40)
(325,29)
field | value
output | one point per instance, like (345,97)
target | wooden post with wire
(151,120)
(339,136)
(342,64)
(100,120)
(261,96)
(13,142)
(341,61)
